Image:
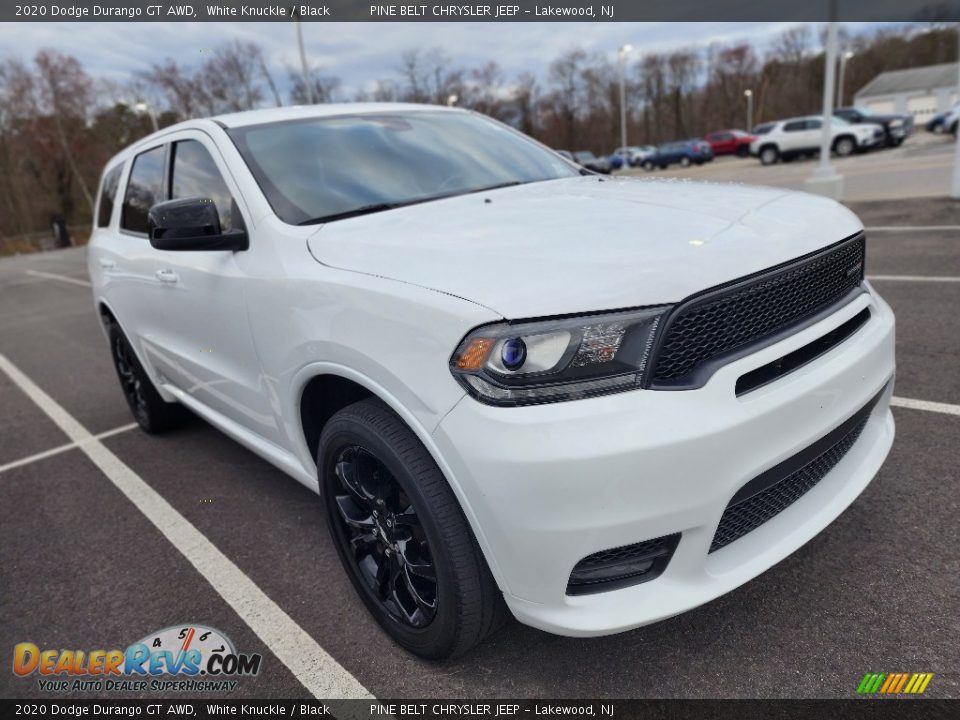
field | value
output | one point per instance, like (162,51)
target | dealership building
(923,91)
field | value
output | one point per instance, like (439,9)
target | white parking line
(323,676)
(927,405)
(912,228)
(914,278)
(55,276)
(63,448)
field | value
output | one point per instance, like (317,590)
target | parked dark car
(935,124)
(896,127)
(730,142)
(685,153)
(591,162)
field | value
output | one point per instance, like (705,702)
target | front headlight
(552,360)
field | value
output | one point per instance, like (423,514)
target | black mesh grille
(749,514)
(648,548)
(749,312)
(622,566)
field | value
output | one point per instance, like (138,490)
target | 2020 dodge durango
(506,397)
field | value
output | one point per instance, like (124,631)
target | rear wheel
(685,161)
(401,535)
(152,413)
(769,155)
(648,165)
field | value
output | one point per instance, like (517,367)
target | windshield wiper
(362,210)
(380,207)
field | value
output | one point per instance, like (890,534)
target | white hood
(582,244)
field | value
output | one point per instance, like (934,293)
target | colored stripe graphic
(894,683)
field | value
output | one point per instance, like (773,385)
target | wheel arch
(844,136)
(324,376)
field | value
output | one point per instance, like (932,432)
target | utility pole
(748,94)
(843,71)
(825,180)
(955,186)
(307,85)
(623,52)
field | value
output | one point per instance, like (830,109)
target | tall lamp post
(142,107)
(623,52)
(843,68)
(825,180)
(307,85)
(748,94)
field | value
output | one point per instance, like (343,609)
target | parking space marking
(927,405)
(912,228)
(61,278)
(914,278)
(323,676)
(63,448)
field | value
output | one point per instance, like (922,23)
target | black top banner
(507,11)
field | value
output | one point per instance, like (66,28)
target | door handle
(107,264)
(167,276)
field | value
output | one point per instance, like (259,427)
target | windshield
(763,129)
(585,155)
(840,121)
(328,168)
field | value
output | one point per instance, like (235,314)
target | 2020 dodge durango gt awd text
(503,399)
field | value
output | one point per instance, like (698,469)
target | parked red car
(730,142)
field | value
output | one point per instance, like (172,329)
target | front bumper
(545,486)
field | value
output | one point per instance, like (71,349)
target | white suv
(787,139)
(504,398)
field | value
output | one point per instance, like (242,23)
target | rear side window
(108,195)
(144,189)
(195,174)
(814,124)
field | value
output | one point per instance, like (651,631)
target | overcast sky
(361,53)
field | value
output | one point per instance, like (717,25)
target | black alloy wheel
(130,382)
(386,537)
(401,534)
(152,413)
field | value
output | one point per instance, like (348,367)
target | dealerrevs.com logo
(184,658)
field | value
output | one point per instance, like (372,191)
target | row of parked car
(852,130)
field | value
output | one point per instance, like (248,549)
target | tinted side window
(144,189)
(814,124)
(195,174)
(108,195)
(795,125)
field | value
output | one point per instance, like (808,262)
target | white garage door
(881,107)
(922,107)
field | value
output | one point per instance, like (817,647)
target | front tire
(844,147)
(769,155)
(152,413)
(401,535)
(685,161)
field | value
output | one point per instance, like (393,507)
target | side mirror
(191,224)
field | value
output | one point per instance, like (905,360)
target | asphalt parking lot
(921,167)
(192,528)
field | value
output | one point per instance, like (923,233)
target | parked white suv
(503,397)
(787,139)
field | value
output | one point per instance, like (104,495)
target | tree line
(59,125)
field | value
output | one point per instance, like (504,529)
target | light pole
(748,94)
(307,85)
(955,184)
(623,52)
(825,180)
(843,68)
(142,107)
